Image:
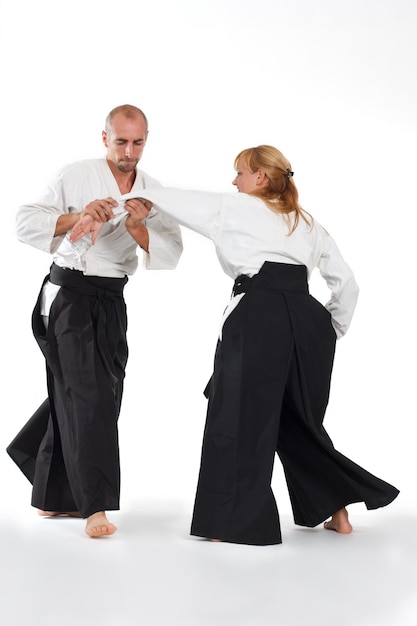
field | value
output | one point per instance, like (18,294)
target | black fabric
(24,447)
(269,393)
(69,448)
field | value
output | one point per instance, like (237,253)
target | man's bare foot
(58,513)
(339,522)
(99,526)
(216,540)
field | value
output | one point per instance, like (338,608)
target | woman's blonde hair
(279,193)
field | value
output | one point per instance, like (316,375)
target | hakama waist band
(276,277)
(98,286)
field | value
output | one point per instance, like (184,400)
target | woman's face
(246,181)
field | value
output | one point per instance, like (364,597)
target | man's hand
(100,210)
(92,218)
(138,209)
(86,225)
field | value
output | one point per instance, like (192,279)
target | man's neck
(124,180)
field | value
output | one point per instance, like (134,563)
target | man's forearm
(66,222)
(140,235)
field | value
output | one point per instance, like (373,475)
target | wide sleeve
(165,242)
(199,211)
(36,223)
(342,284)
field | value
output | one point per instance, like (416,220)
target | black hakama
(69,448)
(269,393)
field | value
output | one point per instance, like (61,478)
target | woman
(273,362)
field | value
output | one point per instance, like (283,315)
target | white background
(333,85)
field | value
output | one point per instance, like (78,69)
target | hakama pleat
(69,449)
(268,394)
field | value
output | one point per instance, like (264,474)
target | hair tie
(289,173)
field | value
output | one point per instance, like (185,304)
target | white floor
(152,573)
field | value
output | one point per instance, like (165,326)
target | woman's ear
(260,178)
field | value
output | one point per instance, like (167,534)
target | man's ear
(104,138)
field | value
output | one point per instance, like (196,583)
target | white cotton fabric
(246,233)
(115,251)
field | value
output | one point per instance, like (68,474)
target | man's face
(125,141)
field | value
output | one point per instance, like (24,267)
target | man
(69,448)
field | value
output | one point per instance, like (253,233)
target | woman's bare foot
(58,513)
(339,522)
(99,526)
